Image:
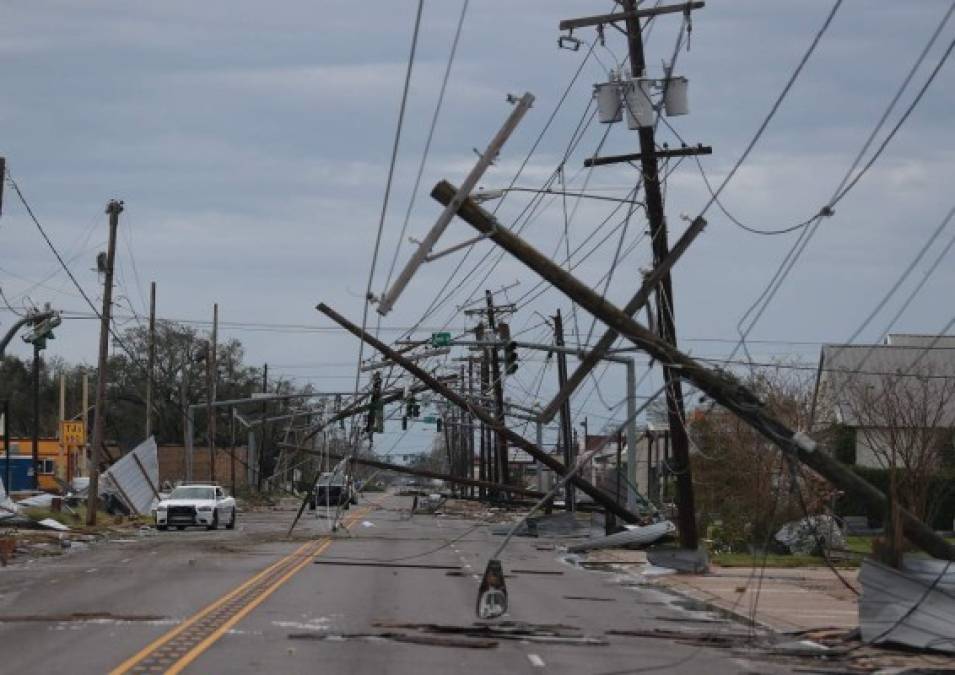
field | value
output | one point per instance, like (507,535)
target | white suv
(189,505)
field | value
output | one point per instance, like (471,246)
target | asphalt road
(216,602)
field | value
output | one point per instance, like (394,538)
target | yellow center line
(303,552)
(194,653)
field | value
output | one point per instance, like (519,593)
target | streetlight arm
(30,318)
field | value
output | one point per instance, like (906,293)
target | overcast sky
(250,142)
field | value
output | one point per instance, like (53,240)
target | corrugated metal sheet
(126,478)
(914,606)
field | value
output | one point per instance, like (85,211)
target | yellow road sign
(73,433)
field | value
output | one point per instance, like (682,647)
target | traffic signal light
(376,411)
(510,349)
(440,424)
(43,331)
(412,409)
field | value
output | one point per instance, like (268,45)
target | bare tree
(904,421)
(743,484)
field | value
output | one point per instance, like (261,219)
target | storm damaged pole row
(599,496)
(355,409)
(423,473)
(721,387)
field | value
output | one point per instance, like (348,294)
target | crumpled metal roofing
(135,489)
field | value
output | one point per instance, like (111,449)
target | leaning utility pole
(113,208)
(212,374)
(686,508)
(566,425)
(718,385)
(151,359)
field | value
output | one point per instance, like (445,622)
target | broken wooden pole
(599,496)
(721,387)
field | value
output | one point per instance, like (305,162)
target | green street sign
(428,420)
(441,339)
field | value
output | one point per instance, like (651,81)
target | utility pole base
(683,560)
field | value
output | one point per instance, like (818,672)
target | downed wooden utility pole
(599,496)
(423,473)
(720,386)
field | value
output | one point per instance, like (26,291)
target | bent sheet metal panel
(128,476)
(888,595)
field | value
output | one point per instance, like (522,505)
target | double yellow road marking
(175,650)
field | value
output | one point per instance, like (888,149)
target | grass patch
(858,548)
(77,519)
(770,560)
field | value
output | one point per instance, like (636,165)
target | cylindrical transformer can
(675,97)
(639,103)
(609,106)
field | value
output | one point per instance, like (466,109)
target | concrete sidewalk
(782,599)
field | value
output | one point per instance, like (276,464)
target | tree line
(179,379)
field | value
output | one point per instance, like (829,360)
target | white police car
(196,504)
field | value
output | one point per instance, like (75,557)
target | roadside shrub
(941,498)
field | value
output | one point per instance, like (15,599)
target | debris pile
(632,535)
(814,535)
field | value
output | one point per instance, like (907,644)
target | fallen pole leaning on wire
(718,385)
(601,497)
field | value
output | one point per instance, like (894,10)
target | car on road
(203,505)
(333,489)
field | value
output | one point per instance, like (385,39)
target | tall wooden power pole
(264,426)
(566,425)
(665,309)
(85,395)
(212,376)
(36,416)
(488,465)
(113,209)
(500,458)
(151,359)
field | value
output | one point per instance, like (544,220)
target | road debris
(813,535)
(506,630)
(633,535)
(79,617)
(360,563)
(133,479)
(409,638)
(51,524)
